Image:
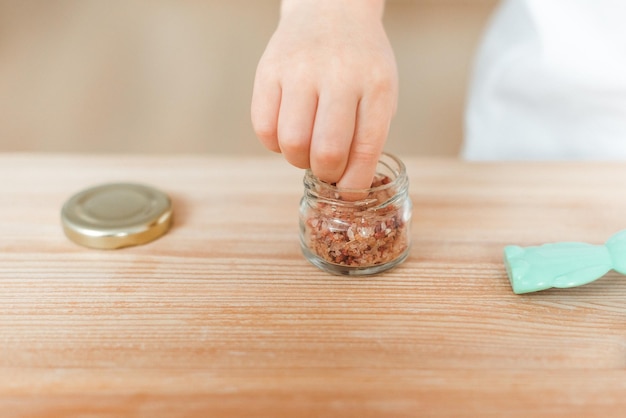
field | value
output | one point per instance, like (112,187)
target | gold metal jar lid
(116,215)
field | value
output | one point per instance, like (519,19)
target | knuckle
(295,148)
(329,157)
(293,142)
(264,130)
(382,81)
(267,69)
(328,164)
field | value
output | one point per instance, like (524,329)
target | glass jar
(357,237)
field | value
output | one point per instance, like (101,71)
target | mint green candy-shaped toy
(563,264)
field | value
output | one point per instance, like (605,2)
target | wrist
(371,8)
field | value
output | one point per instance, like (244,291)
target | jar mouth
(388,166)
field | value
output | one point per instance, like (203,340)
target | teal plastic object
(563,264)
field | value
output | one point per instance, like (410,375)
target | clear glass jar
(357,237)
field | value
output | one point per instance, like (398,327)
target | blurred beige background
(176,76)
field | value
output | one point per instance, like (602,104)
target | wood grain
(224,317)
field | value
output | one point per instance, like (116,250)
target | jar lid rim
(385,159)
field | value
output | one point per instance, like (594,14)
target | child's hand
(326,89)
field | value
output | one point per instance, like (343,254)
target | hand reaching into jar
(326,89)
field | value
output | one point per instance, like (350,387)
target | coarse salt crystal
(366,232)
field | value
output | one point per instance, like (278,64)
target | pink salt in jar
(357,237)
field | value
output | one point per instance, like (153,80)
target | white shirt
(550,82)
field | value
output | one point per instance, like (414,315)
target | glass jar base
(340,270)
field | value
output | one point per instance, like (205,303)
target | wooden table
(224,317)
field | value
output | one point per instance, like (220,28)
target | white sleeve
(549,82)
